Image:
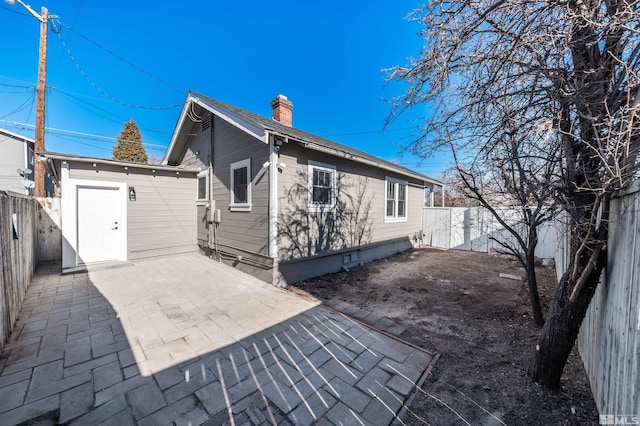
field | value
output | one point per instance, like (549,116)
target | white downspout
(273,199)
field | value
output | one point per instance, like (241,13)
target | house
(285,205)
(120,211)
(17,165)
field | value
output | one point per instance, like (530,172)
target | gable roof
(16,136)
(260,126)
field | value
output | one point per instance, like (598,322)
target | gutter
(362,160)
(62,157)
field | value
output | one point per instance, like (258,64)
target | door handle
(113,229)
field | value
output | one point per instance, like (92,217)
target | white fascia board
(241,123)
(16,136)
(247,126)
(176,132)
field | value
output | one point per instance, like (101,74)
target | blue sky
(138,59)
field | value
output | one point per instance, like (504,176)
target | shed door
(101,226)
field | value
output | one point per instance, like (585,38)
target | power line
(116,119)
(12,10)
(99,89)
(368,132)
(80,135)
(124,60)
(73,24)
(31,99)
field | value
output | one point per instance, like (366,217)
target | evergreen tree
(129,146)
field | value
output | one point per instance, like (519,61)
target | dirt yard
(455,303)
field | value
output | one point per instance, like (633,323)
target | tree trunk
(531,277)
(533,291)
(561,328)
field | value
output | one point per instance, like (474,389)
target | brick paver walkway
(185,340)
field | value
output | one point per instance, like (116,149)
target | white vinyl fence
(476,229)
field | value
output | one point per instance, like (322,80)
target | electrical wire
(368,132)
(100,90)
(124,60)
(85,105)
(192,114)
(78,135)
(116,119)
(73,24)
(30,86)
(30,100)
(17,12)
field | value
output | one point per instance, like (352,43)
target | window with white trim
(203,186)
(396,200)
(322,186)
(240,188)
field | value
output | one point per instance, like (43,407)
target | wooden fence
(609,339)
(49,221)
(18,253)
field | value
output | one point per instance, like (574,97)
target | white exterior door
(101,224)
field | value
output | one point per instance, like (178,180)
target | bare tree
(564,71)
(347,223)
(454,191)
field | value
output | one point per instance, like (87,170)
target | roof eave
(65,157)
(253,129)
(349,156)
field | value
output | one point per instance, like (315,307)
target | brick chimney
(282,108)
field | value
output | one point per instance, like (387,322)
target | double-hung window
(396,200)
(322,186)
(240,191)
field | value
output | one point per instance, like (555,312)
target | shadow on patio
(185,340)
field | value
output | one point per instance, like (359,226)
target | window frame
(321,207)
(233,206)
(397,185)
(203,174)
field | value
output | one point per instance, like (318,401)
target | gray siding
(202,225)
(162,220)
(244,230)
(12,156)
(358,184)
(198,152)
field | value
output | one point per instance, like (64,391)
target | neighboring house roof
(78,158)
(258,126)
(16,136)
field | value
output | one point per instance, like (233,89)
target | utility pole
(40,102)
(41,90)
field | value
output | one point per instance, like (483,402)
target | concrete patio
(186,340)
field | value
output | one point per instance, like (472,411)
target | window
(203,186)
(396,200)
(322,186)
(30,158)
(241,186)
